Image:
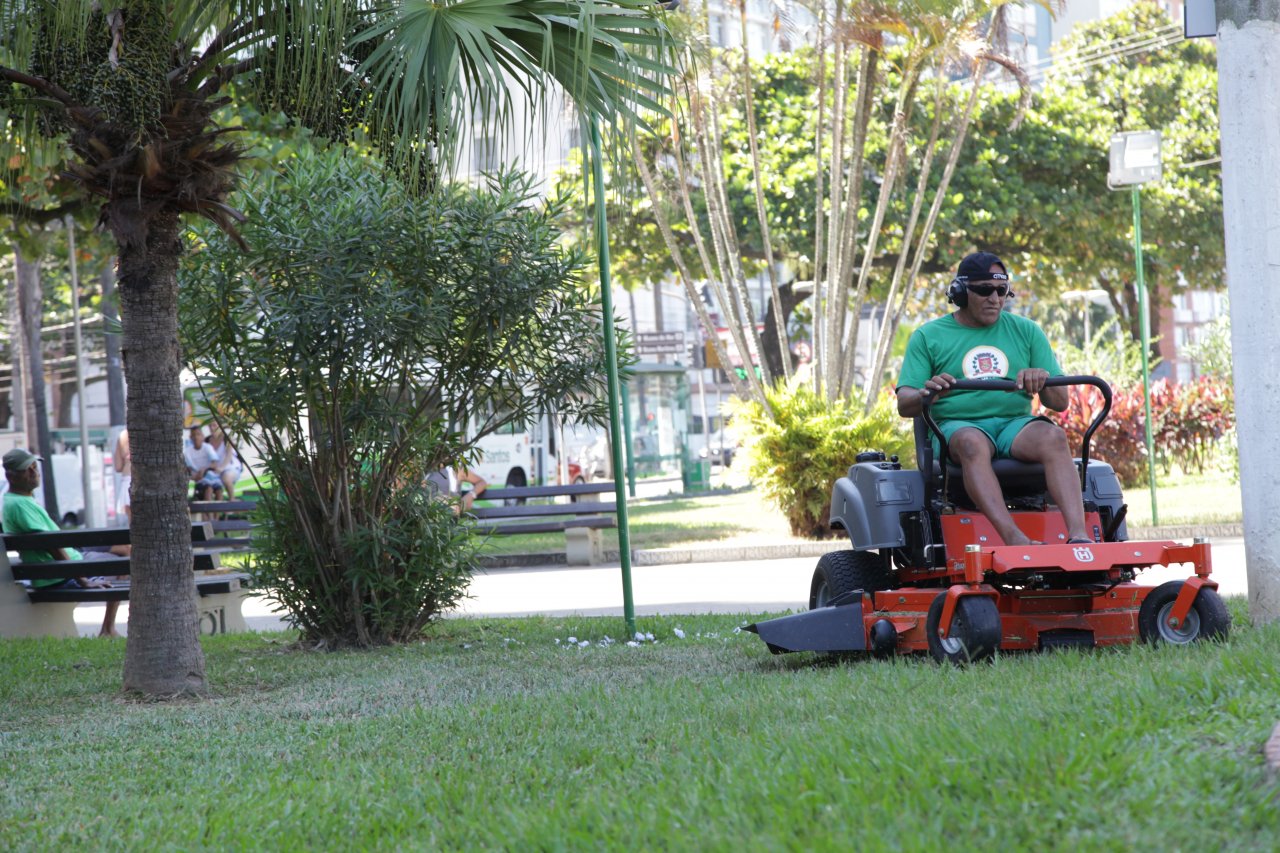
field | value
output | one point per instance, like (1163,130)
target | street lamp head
(1135,158)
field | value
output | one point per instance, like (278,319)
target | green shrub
(366,338)
(385,580)
(799,450)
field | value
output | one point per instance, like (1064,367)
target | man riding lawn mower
(1018,546)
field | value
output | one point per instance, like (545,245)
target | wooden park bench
(580,520)
(31,612)
(232,527)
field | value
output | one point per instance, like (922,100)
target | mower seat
(1018,480)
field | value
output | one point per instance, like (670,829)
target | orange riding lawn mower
(927,571)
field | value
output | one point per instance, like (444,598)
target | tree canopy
(1029,184)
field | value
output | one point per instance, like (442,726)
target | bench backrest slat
(222,506)
(201,531)
(531,510)
(108,566)
(494,494)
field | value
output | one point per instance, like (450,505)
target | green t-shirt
(997,351)
(23,515)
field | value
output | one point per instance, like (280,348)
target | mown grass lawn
(1187,499)
(499,734)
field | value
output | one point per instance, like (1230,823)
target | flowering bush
(1188,422)
(1194,420)
(1119,440)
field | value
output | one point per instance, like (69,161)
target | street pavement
(738,586)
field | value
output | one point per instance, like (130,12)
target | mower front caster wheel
(975,630)
(1207,619)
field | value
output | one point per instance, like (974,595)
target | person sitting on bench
(202,462)
(981,340)
(450,482)
(23,514)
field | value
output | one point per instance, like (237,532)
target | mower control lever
(927,400)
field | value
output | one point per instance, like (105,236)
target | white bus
(543,453)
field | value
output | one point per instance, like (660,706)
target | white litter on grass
(584,644)
(633,644)
(679,633)
(573,640)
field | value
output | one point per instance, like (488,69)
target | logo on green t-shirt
(985,362)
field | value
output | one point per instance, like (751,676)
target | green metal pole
(611,356)
(1144,323)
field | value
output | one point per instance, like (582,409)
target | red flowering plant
(1188,420)
(1197,416)
(1119,440)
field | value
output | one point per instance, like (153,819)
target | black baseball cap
(977,267)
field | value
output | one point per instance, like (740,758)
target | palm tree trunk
(682,268)
(163,654)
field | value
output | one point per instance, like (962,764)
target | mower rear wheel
(975,630)
(1208,618)
(845,571)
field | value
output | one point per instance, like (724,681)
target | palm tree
(133,87)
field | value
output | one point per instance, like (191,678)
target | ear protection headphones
(958,291)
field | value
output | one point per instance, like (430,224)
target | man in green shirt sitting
(23,514)
(980,340)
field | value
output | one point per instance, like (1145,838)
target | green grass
(741,515)
(497,734)
(1186,499)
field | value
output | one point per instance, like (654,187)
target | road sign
(660,343)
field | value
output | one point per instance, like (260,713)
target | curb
(784,550)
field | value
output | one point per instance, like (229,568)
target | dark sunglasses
(1001,290)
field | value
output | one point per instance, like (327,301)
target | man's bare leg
(972,449)
(1046,443)
(109,620)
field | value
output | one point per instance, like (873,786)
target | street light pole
(1135,160)
(1144,324)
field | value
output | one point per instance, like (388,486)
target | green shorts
(1001,431)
